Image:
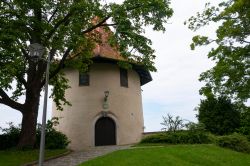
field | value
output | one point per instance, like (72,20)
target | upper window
(83,79)
(123,77)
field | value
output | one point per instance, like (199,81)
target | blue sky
(175,85)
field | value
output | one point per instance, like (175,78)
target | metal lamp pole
(36,51)
(42,143)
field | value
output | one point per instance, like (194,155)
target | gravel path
(76,158)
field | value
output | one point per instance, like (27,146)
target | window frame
(123,77)
(86,79)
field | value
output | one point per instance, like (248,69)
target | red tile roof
(103,48)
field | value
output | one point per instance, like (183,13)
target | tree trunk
(27,137)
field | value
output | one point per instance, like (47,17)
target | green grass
(17,158)
(173,155)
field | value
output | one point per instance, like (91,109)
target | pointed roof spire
(103,48)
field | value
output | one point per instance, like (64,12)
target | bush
(10,137)
(179,137)
(235,142)
(245,123)
(53,139)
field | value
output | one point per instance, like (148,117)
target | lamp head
(36,50)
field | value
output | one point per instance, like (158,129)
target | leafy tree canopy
(219,115)
(64,28)
(245,122)
(231,74)
(61,27)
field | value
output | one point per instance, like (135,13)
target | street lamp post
(36,51)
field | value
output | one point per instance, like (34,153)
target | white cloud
(175,88)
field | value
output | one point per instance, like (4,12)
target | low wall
(145,134)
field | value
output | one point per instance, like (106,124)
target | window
(124,77)
(83,79)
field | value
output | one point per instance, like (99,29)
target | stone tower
(106,102)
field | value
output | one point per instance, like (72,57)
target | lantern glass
(36,50)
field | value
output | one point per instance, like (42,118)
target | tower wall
(125,106)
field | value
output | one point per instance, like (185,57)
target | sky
(175,86)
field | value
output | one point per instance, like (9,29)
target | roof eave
(143,73)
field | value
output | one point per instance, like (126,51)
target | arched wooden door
(105,133)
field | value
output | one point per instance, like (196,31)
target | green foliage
(10,136)
(195,133)
(230,75)
(219,115)
(194,127)
(60,84)
(53,139)
(172,124)
(179,137)
(235,142)
(245,122)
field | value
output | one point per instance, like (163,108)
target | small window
(83,79)
(124,77)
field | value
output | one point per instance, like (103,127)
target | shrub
(195,127)
(156,138)
(179,137)
(53,139)
(245,123)
(235,142)
(10,137)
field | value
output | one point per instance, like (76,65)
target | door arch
(105,132)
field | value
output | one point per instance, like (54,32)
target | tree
(171,123)
(231,74)
(245,122)
(64,29)
(219,115)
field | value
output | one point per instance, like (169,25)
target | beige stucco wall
(125,106)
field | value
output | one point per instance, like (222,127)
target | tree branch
(97,25)
(101,23)
(26,55)
(66,53)
(60,65)
(22,80)
(65,19)
(109,24)
(5,99)
(53,14)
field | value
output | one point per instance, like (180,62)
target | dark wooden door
(105,132)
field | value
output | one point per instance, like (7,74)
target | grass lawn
(17,158)
(173,155)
